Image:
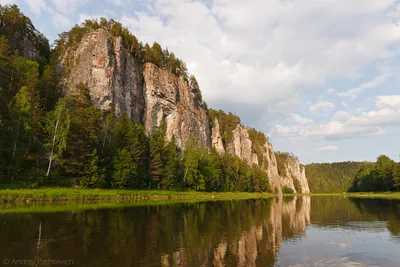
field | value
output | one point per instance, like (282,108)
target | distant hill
(331,177)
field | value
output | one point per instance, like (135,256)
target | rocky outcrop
(242,147)
(242,144)
(169,99)
(151,95)
(146,93)
(112,75)
(216,139)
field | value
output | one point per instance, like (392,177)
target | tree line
(47,138)
(331,177)
(382,175)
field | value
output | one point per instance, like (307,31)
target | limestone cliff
(110,72)
(169,99)
(146,93)
(242,146)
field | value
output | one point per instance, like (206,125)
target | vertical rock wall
(242,147)
(152,96)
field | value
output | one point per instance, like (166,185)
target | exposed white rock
(216,138)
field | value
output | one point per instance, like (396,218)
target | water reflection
(226,233)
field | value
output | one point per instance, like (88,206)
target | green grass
(74,195)
(391,195)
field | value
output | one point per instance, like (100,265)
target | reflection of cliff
(286,218)
(222,233)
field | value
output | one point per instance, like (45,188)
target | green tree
(124,170)
(190,164)
(384,170)
(171,167)
(194,86)
(156,166)
(95,174)
(396,176)
(83,134)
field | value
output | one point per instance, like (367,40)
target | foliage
(287,190)
(143,53)
(331,177)
(15,26)
(81,145)
(258,140)
(283,158)
(380,176)
(227,123)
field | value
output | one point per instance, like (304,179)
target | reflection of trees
(330,211)
(228,233)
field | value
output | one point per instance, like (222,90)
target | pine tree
(156,163)
(171,165)
(83,135)
(190,164)
(95,173)
(124,175)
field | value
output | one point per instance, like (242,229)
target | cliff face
(243,147)
(146,93)
(151,95)
(111,73)
(169,99)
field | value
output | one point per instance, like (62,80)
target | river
(295,231)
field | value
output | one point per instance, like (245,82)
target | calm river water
(296,231)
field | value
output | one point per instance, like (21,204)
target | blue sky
(318,77)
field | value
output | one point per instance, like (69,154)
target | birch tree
(58,122)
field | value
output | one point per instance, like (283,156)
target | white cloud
(120,2)
(61,21)
(331,90)
(341,114)
(36,5)
(68,6)
(369,123)
(244,51)
(321,108)
(7,2)
(388,101)
(301,120)
(326,148)
(353,93)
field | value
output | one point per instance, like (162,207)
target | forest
(338,177)
(331,177)
(382,175)
(49,139)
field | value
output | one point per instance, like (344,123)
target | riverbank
(70,195)
(387,195)
(109,195)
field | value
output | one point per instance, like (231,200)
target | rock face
(216,138)
(146,93)
(243,147)
(110,72)
(151,95)
(169,99)
(242,144)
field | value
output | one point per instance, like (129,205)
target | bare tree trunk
(52,147)
(14,150)
(16,141)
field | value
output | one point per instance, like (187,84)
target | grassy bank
(75,195)
(389,195)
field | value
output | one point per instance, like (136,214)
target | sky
(318,77)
